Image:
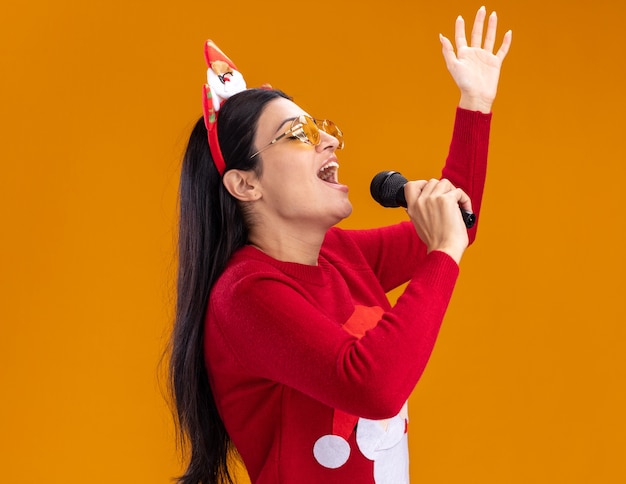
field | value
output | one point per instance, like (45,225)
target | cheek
(286,180)
(286,192)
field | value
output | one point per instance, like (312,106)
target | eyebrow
(284,122)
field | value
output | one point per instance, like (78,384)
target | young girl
(285,346)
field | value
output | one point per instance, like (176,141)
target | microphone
(387,188)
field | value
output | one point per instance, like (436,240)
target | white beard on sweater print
(382,441)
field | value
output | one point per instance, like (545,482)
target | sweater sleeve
(466,165)
(393,253)
(275,331)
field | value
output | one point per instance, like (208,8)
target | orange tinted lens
(332,129)
(310,129)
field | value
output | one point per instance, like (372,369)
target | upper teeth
(325,173)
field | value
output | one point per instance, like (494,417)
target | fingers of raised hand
(477,29)
(506,44)
(490,36)
(447,49)
(459,33)
(476,37)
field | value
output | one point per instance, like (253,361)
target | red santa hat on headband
(223,77)
(223,81)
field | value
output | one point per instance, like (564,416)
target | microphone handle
(468,217)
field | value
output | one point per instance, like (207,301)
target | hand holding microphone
(430,209)
(387,188)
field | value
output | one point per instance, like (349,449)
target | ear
(243,185)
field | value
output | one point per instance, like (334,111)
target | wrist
(475,103)
(455,253)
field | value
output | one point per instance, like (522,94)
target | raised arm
(433,205)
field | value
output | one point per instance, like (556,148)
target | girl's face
(299,184)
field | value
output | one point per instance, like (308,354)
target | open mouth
(328,172)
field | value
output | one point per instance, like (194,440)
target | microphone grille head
(386,186)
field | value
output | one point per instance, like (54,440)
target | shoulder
(251,273)
(248,262)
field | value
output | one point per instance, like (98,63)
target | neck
(289,247)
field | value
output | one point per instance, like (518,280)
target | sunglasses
(307,129)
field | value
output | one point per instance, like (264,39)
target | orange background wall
(527,382)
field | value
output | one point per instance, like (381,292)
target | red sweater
(310,366)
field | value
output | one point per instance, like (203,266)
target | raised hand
(475,68)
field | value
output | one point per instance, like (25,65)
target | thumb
(447,50)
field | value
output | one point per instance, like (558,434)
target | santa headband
(223,81)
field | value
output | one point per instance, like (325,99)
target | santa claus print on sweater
(382,441)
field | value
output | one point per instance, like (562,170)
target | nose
(327,142)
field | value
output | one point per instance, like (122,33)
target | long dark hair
(211,228)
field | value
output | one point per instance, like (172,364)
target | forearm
(392,252)
(466,164)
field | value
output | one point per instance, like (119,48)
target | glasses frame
(303,124)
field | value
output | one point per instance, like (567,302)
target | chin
(347,210)
(340,213)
